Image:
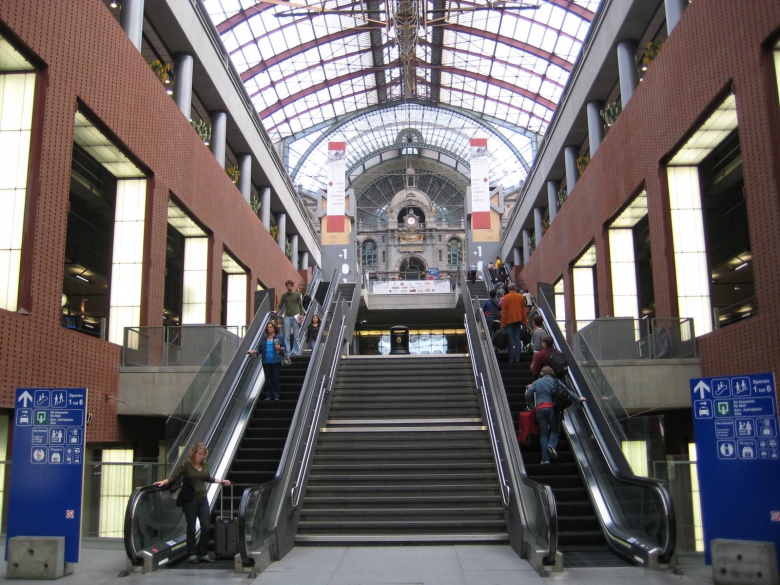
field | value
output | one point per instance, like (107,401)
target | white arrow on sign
(25,397)
(702,389)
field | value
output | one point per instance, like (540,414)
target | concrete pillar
(629,78)
(518,256)
(245,175)
(182,69)
(552,198)
(526,246)
(294,255)
(132,20)
(538,227)
(595,125)
(674,10)
(218,135)
(265,207)
(570,155)
(281,222)
(304,260)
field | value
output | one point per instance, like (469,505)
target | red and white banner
(336,179)
(480,184)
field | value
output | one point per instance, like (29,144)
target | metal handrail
(292,446)
(272,483)
(218,410)
(503,485)
(543,492)
(295,493)
(609,450)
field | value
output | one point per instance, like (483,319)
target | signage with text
(738,451)
(48,466)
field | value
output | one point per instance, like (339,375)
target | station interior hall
(608,169)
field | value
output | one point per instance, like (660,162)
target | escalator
(580,537)
(245,438)
(634,517)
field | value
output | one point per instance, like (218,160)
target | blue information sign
(738,451)
(48,466)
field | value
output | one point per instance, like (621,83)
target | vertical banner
(48,466)
(480,184)
(336,178)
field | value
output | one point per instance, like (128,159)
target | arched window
(412,268)
(368,255)
(454,253)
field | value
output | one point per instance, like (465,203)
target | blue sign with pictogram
(738,457)
(47,474)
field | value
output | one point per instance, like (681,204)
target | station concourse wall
(87,62)
(717,47)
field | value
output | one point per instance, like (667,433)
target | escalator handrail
(334,284)
(273,482)
(613,456)
(132,504)
(501,405)
(306,395)
(208,435)
(325,387)
(503,484)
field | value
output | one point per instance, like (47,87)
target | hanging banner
(480,184)
(336,176)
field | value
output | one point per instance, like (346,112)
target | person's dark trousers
(548,431)
(197,510)
(272,386)
(515,345)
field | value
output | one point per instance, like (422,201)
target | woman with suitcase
(193,500)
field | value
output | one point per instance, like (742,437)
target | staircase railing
(154,531)
(268,513)
(636,513)
(530,505)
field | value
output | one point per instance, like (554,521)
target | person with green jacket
(194,501)
(292,301)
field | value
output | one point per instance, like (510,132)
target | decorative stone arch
(412,267)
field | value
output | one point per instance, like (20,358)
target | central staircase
(404,457)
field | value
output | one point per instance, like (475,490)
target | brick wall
(717,45)
(90,62)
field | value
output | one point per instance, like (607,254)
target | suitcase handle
(222,500)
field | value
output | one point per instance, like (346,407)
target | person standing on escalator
(194,502)
(541,392)
(292,301)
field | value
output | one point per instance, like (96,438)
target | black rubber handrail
(205,430)
(609,449)
(486,366)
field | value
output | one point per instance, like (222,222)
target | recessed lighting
(82,278)
(745,265)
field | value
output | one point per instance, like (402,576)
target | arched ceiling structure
(442,71)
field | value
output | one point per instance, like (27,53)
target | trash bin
(399,340)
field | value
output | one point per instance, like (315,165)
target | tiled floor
(413,565)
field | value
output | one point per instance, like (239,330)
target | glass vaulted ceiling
(477,70)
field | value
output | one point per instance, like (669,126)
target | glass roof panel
(304,67)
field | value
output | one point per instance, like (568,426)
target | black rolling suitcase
(226,530)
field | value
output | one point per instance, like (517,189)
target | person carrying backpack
(492,312)
(541,357)
(547,393)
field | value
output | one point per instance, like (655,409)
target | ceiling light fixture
(82,278)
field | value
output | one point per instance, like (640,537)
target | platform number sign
(738,451)
(48,465)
